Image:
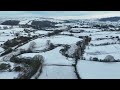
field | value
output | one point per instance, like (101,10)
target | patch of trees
(111,26)
(110,19)
(4,66)
(103,44)
(25,26)
(68,34)
(15,41)
(42,24)
(80,31)
(86,39)
(64,50)
(10,22)
(75,27)
(55,32)
(30,66)
(108,38)
(97,26)
(50,45)
(77,54)
(9,50)
(32,46)
(67,21)
(108,58)
(104,26)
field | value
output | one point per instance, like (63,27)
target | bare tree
(48,42)
(38,57)
(29,34)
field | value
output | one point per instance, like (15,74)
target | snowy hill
(49,48)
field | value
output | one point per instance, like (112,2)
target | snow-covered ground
(60,39)
(1,49)
(42,32)
(102,51)
(65,32)
(58,72)
(2,26)
(8,75)
(24,22)
(98,70)
(52,57)
(56,65)
(5,38)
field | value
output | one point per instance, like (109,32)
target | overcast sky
(61,14)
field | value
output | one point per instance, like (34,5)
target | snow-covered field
(8,75)
(58,66)
(98,70)
(60,39)
(103,50)
(42,32)
(58,72)
(52,57)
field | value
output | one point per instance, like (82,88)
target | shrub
(83,58)
(18,68)
(4,66)
(15,41)
(117,36)
(50,46)
(17,34)
(38,58)
(10,22)
(18,60)
(5,27)
(7,51)
(95,59)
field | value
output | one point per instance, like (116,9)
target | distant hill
(10,22)
(112,19)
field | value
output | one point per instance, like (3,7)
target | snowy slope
(52,57)
(60,39)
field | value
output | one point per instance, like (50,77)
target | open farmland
(49,48)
